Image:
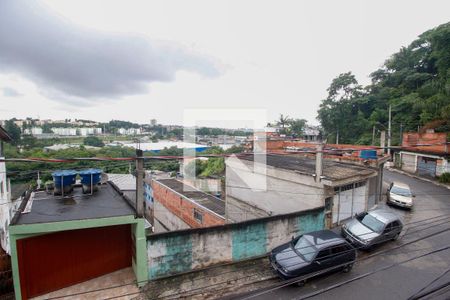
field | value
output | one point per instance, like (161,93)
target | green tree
(93,141)
(13,131)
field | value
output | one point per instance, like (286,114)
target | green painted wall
(311,222)
(249,241)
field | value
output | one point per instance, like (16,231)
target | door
(426,166)
(408,162)
(53,261)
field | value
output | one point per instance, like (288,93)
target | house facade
(424,154)
(58,241)
(298,183)
(176,206)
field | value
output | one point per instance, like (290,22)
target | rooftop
(46,208)
(332,170)
(202,199)
(4,136)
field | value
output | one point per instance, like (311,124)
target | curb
(418,177)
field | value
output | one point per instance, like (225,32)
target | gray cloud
(75,63)
(10,92)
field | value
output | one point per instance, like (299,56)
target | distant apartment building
(85,131)
(129,131)
(33,131)
(64,131)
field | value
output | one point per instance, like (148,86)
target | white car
(399,194)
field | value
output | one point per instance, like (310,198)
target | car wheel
(347,268)
(396,236)
(301,283)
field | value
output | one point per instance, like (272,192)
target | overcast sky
(138,60)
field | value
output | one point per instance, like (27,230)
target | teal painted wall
(176,256)
(173,253)
(311,222)
(249,241)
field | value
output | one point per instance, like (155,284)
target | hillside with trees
(416,83)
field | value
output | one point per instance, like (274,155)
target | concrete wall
(286,191)
(238,211)
(167,219)
(183,251)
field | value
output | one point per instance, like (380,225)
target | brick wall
(183,208)
(430,142)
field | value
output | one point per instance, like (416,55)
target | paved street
(427,229)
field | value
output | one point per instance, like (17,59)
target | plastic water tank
(90,174)
(368,154)
(90,178)
(64,181)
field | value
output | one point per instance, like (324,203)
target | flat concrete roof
(332,170)
(202,199)
(47,208)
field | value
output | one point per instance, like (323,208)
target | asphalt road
(392,270)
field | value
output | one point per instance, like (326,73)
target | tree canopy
(415,81)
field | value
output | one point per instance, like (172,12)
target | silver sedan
(373,227)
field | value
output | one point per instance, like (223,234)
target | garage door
(57,260)
(426,166)
(348,200)
(408,163)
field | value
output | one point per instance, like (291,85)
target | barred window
(198,216)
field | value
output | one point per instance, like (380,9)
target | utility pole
(337,136)
(373,136)
(401,134)
(319,162)
(389,130)
(139,183)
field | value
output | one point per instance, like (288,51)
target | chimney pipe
(319,161)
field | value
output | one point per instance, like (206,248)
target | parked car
(311,253)
(399,194)
(373,227)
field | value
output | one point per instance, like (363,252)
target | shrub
(444,178)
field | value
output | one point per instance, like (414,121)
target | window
(324,254)
(388,228)
(1,188)
(338,249)
(198,216)
(360,184)
(305,248)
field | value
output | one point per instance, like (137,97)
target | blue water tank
(64,181)
(64,178)
(90,174)
(368,154)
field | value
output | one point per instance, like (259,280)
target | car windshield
(401,191)
(305,248)
(371,222)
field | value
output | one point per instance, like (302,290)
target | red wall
(182,208)
(431,142)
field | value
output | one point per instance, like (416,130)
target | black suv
(312,252)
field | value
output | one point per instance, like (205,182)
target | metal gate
(426,166)
(53,261)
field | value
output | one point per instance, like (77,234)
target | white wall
(167,218)
(286,191)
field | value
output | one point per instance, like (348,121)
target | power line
(417,294)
